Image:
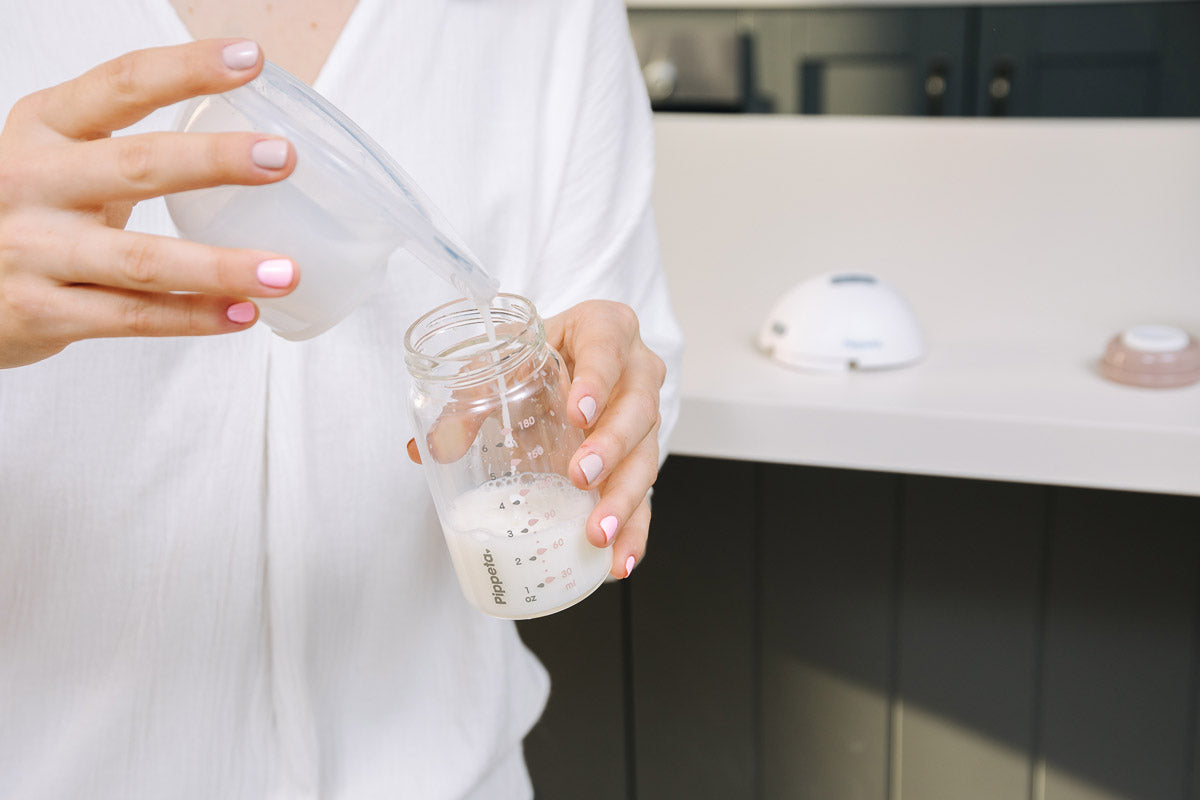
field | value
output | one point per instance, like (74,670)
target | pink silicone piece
(1126,364)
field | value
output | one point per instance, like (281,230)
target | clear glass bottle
(488,404)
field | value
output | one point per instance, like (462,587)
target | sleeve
(602,242)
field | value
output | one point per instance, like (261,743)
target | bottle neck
(460,344)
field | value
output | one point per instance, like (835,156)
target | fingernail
(591,464)
(629,564)
(587,407)
(275,272)
(240,312)
(270,153)
(240,55)
(609,526)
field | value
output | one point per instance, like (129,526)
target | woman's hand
(68,270)
(614,396)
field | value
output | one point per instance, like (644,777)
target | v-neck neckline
(333,66)
(340,55)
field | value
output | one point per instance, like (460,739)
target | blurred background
(975,578)
(943,59)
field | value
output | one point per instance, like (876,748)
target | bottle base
(543,612)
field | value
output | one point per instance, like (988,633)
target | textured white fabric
(220,576)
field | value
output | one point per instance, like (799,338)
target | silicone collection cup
(1153,356)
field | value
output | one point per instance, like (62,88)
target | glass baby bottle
(488,407)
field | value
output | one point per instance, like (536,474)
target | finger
(89,174)
(71,252)
(631,416)
(597,337)
(459,422)
(630,548)
(118,93)
(451,435)
(623,492)
(71,313)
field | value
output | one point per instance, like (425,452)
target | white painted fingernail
(240,55)
(629,565)
(270,153)
(587,407)
(609,526)
(591,464)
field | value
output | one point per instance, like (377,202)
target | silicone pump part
(1152,356)
(347,153)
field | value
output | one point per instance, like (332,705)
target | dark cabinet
(885,61)
(1120,60)
(823,634)
(1073,60)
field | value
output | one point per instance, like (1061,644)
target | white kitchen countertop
(1023,246)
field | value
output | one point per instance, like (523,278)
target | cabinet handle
(999,88)
(935,87)
(661,78)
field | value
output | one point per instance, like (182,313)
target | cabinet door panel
(971,584)
(859,86)
(828,586)
(577,749)
(1097,87)
(1119,680)
(695,684)
(1109,60)
(880,61)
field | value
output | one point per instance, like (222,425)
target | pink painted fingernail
(609,526)
(270,153)
(240,312)
(275,272)
(587,407)
(240,55)
(629,564)
(591,464)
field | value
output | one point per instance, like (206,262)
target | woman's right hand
(68,269)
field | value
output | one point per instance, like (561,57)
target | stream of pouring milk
(489,326)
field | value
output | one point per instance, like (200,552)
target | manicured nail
(587,407)
(609,526)
(591,464)
(629,564)
(270,153)
(240,55)
(240,312)
(275,272)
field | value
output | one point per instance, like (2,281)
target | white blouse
(220,575)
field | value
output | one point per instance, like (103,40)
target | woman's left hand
(614,397)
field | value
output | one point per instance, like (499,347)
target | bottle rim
(448,344)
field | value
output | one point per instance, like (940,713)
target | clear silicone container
(340,215)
